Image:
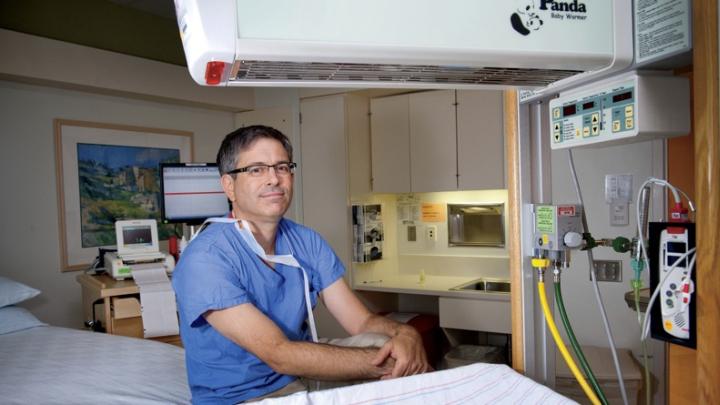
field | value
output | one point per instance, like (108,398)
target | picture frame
(105,171)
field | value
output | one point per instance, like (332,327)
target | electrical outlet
(608,270)
(431,232)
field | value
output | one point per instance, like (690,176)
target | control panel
(605,113)
(557,227)
(630,107)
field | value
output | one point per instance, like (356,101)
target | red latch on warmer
(214,72)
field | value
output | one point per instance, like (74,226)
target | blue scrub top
(218,270)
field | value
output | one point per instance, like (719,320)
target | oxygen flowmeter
(558,227)
(630,107)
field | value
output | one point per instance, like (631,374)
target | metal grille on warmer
(270,71)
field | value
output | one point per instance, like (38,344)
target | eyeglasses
(260,170)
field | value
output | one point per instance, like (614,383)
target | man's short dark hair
(241,139)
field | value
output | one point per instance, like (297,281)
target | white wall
(641,160)
(29,246)
(28,58)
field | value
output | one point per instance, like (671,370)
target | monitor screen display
(191,192)
(137,235)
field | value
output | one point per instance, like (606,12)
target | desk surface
(108,286)
(438,286)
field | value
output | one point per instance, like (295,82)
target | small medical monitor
(191,193)
(136,236)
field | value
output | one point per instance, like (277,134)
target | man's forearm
(327,362)
(386,326)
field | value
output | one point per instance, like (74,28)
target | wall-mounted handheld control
(676,292)
(673,316)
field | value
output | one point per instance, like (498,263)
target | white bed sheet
(52,365)
(479,383)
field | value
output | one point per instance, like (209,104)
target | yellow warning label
(432,212)
(545,220)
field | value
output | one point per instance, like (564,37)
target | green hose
(576,347)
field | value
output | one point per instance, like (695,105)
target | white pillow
(13,319)
(12,292)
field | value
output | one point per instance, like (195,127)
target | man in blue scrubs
(243,311)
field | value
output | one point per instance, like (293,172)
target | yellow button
(577,132)
(595,118)
(668,326)
(616,125)
(540,263)
(545,239)
(556,112)
(629,110)
(556,136)
(595,130)
(557,126)
(629,123)
(586,132)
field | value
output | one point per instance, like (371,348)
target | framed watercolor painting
(105,173)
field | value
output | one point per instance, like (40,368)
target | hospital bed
(479,383)
(41,364)
(52,365)
(46,364)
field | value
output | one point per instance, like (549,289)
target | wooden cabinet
(433,148)
(120,306)
(480,140)
(328,125)
(390,144)
(478,315)
(324,164)
(438,141)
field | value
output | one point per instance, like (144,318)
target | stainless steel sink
(494,286)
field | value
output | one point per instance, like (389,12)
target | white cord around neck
(288,260)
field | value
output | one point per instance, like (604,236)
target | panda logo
(525,20)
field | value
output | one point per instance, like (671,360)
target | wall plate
(608,270)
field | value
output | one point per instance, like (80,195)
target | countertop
(438,286)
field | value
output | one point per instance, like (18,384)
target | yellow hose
(561,345)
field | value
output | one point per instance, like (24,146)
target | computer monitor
(191,192)
(136,236)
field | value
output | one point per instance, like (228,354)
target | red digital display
(622,96)
(569,110)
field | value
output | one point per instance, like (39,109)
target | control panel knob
(572,239)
